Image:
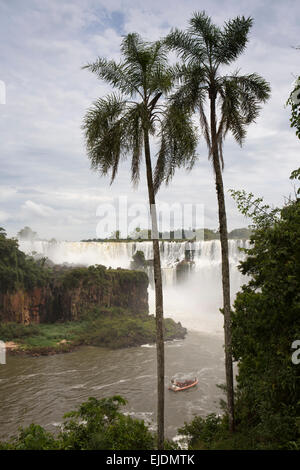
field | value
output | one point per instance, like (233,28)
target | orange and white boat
(183,385)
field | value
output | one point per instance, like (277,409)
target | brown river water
(42,389)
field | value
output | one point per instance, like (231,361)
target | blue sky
(46,181)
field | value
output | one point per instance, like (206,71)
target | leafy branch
(294,102)
(253,208)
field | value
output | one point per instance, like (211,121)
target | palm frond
(160,79)
(137,56)
(105,134)
(134,129)
(115,74)
(233,40)
(203,48)
(231,111)
(159,55)
(178,139)
(222,130)
(207,33)
(115,126)
(147,64)
(254,84)
(135,50)
(242,95)
(192,85)
(187,47)
(205,127)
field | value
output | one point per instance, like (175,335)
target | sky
(45,179)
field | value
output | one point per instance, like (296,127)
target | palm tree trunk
(225,263)
(158,301)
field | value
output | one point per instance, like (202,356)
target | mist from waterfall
(195,301)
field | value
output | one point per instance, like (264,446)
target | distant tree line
(177,235)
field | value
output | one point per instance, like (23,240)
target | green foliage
(204,49)
(261,214)
(34,437)
(10,331)
(240,233)
(211,234)
(99,275)
(178,143)
(294,103)
(295,175)
(138,260)
(18,270)
(115,126)
(265,322)
(111,327)
(93,275)
(95,425)
(125,275)
(205,429)
(211,433)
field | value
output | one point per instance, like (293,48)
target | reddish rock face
(59,302)
(21,306)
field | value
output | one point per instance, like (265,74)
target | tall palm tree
(233,101)
(121,124)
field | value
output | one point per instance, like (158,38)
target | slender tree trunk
(225,263)
(158,300)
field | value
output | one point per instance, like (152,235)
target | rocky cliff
(72,292)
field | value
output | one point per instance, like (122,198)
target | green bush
(34,437)
(111,327)
(95,425)
(18,270)
(11,331)
(202,432)
(138,260)
(265,322)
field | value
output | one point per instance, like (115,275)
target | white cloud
(7,192)
(40,210)
(45,176)
(4,216)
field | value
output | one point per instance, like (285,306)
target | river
(42,389)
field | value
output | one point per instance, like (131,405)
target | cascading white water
(195,301)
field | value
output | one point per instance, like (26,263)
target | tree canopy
(96,424)
(18,270)
(27,233)
(204,50)
(294,102)
(266,321)
(114,126)
(265,325)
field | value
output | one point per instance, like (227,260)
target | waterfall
(195,301)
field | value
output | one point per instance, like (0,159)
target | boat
(183,385)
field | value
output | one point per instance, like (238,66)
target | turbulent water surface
(42,389)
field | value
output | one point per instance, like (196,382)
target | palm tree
(233,101)
(121,124)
